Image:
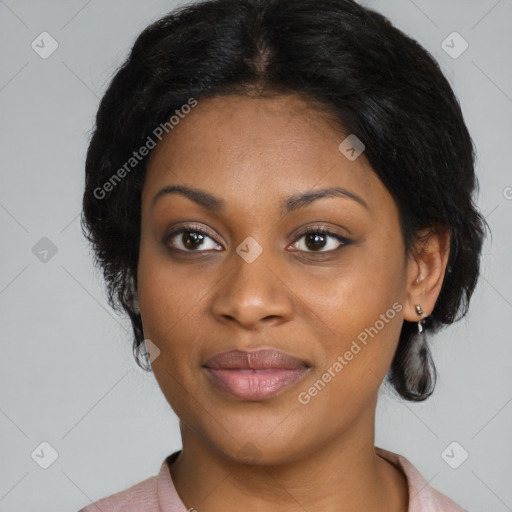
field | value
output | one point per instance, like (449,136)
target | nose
(253,294)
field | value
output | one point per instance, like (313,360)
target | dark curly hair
(374,80)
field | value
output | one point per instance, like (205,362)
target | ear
(426,266)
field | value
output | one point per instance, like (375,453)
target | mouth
(255,375)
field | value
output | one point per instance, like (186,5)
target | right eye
(188,239)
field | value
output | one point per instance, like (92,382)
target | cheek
(164,302)
(167,308)
(167,303)
(358,312)
(355,360)
(166,295)
(353,297)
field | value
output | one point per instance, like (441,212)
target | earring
(420,323)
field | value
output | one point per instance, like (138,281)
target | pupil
(314,238)
(197,239)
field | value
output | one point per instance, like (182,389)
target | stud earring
(420,323)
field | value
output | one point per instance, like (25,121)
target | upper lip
(255,359)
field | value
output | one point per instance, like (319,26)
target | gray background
(67,374)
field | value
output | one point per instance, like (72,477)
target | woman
(279,193)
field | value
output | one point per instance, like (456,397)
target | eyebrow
(289,205)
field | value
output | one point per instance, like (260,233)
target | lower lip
(255,384)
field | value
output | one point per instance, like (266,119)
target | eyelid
(193,228)
(320,228)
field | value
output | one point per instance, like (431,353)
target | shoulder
(422,497)
(154,494)
(141,496)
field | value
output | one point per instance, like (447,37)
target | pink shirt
(158,494)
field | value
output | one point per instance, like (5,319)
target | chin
(253,445)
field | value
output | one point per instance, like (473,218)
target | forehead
(252,150)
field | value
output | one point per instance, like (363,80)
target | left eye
(319,239)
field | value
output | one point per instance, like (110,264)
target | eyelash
(322,230)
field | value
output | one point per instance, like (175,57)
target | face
(321,279)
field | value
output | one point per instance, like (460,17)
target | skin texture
(252,153)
